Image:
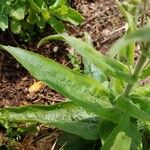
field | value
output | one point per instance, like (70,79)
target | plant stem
(136,72)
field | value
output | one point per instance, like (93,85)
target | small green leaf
(56,24)
(108,65)
(141,34)
(142,91)
(106,127)
(3,17)
(142,102)
(32,17)
(117,86)
(91,69)
(62,10)
(18,10)
(58,3)
(45,14)
(134,110)
(130,130)
(124,122)
(122,142)
(129,17)
(66,116)
(71,16)
(15,26)
(34,6)
(145,73)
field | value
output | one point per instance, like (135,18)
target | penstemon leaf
(122,142)
(128,106)
(91,69)
(65,116)
(129,129)
(123,123)
(80,88)
(142,102)
(109,66)
(145,73)
(127,53)
(142,91)
(141,34)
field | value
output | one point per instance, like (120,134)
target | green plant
(114,110)
(22,15)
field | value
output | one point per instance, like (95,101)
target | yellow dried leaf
(37,86)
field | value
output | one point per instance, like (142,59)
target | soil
(102,21)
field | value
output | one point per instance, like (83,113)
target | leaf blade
(107,65)
(65,116)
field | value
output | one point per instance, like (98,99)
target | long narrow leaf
(145,73)
(107,65)
(142,34)
(122,142)
(130,130)
(142,91)
(142,102)
(80,88)
(128,106)
(120,127)
(65,116)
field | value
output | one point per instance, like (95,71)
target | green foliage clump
(22,15)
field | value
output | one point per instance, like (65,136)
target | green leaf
(141,34)
(58,3)
(130,130)
(126,55)
(134,110)
(128,16)
(142,102)
(32,17)
(18,10)
(70,15)
(117,86)
(142,91)
(15,26)
(62,10)
(106,127)
(73,142)
(45,14)
(122,142)
(56,24)
(81,89)
(66,116)
(123,124)
(108,65)
(34,6)
(3,17)
(145,73)
(91,69)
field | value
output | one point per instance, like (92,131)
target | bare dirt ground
(102,21)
